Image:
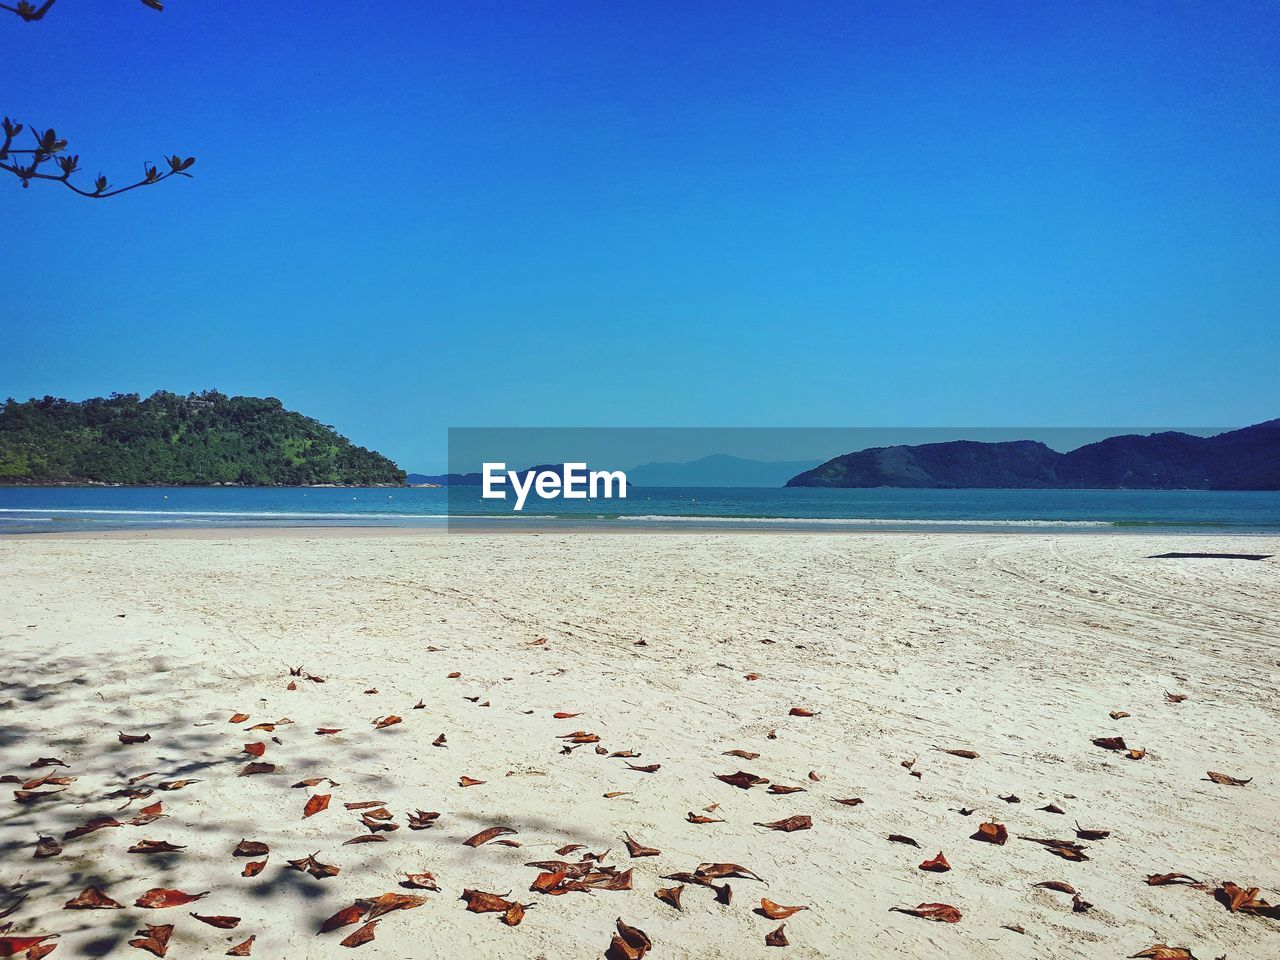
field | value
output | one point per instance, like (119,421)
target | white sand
(1014,646)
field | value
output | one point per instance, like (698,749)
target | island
(166,439)
(1244,459)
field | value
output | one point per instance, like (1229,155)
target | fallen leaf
(637,849)
(1158,951)
(256,749)
(776,911)
(967,754)
(420,881)
(1110,743)
(565,716)
(28,946)
(439,741)
(311,865)
(647,768)
(222,923)
(1118,714)
(97,823)
(134,737)
(1051,808)
(1061,886)
(719,871)
(361,936)
(692,817)
(1011,798)
(242,949)
(902,838)
(848,801)
(1245,900)
(1136,753)
(514,914)
(991,833)
(424,819)
(743,754)
(250,769)
(155,846)
(469,782)
(158,898)
(776,938)
(801,712)
(176,784)
(670,895)
(390,902)
(238,718)
(1087,834)
(47,847)
(937,865)
(1080,905)
(629,943)
(780,789)
(1174,697)
(1165,879)
(315,804)
(484,836)
(382,723)
(741,779)
(91,898)
(345,917)
(253,868)
(153,938)
(1228,781)
(790,824)
(940,912)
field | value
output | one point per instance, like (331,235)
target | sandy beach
(843,665)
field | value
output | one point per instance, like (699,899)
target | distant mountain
(172,440)
(1245,459)
(717,470)
(445,479)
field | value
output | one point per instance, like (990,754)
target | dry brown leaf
(629,943)
(155,846)
(311,865)
(848,801)
(1174,697)
(645,768)
(383,722)
(1051,808)
(154,938)
(670,895)
(966,754)
(242,949)
(1226,780)
(692,817)
(1118,714)
(253,868)
(326,731)
(776,911)
(1110,743)
(561,715)
(514,914)
(469,782)
(360,936)
(1159,951)
(47,847)
(424,819)
(903,838)
(250,769)
(91,898)
(440,741)
(937,865)
(250,848)
(781,789)
(255,749)
(158,898)
(345,917)
(315,804)
(637,849)
(1245,900)
(801,712)
(1165,879)
(777,938)
(720,871)
(97,823)
(484,836)
(238,718)
(222,923)
(742,754)
(741,779)
(992,833)
(1085,833)
(390,902)
(420,881)
(176,784)
(790,824)
(940,912)
(1061,886)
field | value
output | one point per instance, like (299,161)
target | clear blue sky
(412,215)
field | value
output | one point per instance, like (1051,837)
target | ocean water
(47,509)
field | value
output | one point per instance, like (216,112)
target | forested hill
(167,439)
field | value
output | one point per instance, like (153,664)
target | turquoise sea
(48,509)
